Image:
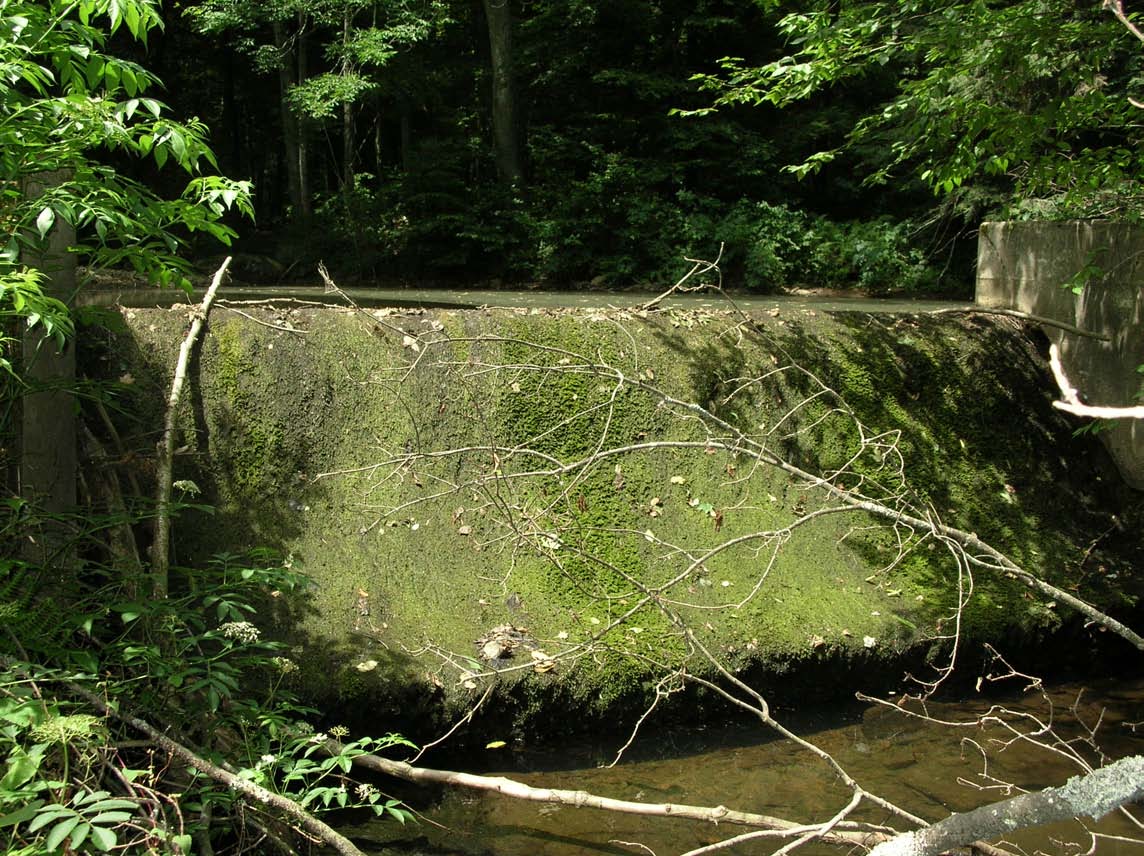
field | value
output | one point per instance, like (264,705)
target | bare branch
(1071,402)
(698,266)
(1025,316)
(844,833)
(160,550)
(1095,794)
(307,822)
(1116,7)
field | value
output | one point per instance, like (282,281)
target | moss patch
(447,478)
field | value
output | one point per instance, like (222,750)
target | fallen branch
(845,834)
(1095,795)
(322,831)
(1116,7)
(303,818)
(1071,402)
(698,266)
(1024,316)
(161,549)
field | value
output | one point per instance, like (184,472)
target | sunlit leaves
(22,297)
(64,103)
(321,96)
(1030,95)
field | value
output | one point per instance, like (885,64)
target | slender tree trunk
(290,70)
(406,119)
(349,141)
(306,211)
(48,457)
(231,119)
(506,130)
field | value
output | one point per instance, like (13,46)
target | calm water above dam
(416,298)
(926,768)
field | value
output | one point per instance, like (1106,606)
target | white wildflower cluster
(365,790)
(284,664)
(239,631)
(267,760)
(186,486)
(339,732)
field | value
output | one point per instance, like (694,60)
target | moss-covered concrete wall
(442,474)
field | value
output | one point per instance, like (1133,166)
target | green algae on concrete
(440,474)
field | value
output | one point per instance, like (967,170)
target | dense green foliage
(1023,106)
(650,131)
(385,116)
(77,780)
(83,660)
(384,165)
(70,108)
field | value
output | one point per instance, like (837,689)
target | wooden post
(47,464)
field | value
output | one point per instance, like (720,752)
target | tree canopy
(71,108)
(1028,103)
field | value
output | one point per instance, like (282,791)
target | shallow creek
(927,768)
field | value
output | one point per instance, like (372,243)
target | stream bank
(444,474)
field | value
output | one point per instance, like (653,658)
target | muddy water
(929,769)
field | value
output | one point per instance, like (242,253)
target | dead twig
(1070,398)
(861,834)
(698,268)
(160,550)
(1025,316)
(1095,794)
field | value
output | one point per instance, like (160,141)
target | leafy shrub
(198,666)
(612,219)
(874,255)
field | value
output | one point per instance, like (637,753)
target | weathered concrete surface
(440,473)
(1032,267)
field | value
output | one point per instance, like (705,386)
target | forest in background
(570,143)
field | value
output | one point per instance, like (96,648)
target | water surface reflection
(929,769)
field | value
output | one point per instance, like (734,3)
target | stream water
(929,769)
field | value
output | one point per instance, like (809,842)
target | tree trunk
(290,67)
(349,141)
(406,118)
(48,457)
(306,210)
(506,130)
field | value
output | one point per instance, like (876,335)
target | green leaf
(103,838)
(21,768)
(112,817)
(102,801)
(21,815)
(61,831)
(49,814)
(79,835)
